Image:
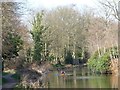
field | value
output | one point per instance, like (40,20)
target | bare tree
(65,31)
(113,5)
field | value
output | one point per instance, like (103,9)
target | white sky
(54,3)
(37,5)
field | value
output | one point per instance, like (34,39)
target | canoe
(62,74)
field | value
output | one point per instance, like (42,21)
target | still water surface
(81,78)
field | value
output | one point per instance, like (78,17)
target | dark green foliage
(12,42)
(37,32)
(15,43)
(86,56)
(4,81)
(58,66)
(11,26)
(16,76)
(4,73)
(50,58)
(29,54)
(82,55)
(68,57)
(79,54)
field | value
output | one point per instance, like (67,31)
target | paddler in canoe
(62,73)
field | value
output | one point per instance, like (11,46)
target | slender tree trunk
(68,43)
(57,53)
(113,51)
(45,50)
(74,51)
(104,49)
(98,45)
(2,65)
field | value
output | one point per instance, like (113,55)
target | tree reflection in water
(77,78)
(115,80)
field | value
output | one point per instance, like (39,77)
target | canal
(81,78)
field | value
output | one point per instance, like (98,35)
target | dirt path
(11,82)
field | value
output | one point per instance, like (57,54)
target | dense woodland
(63,35)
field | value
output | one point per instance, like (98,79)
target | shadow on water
(81,78)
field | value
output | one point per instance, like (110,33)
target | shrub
(101,63)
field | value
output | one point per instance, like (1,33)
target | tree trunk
(45,50)
(2,65)
(98,45)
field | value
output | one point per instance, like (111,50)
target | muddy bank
(34,76)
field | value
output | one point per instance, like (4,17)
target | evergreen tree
(12,42)
(37,35)
(11,39)
(68,57)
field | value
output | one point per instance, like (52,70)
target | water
(81,78)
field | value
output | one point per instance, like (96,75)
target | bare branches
(113,6)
